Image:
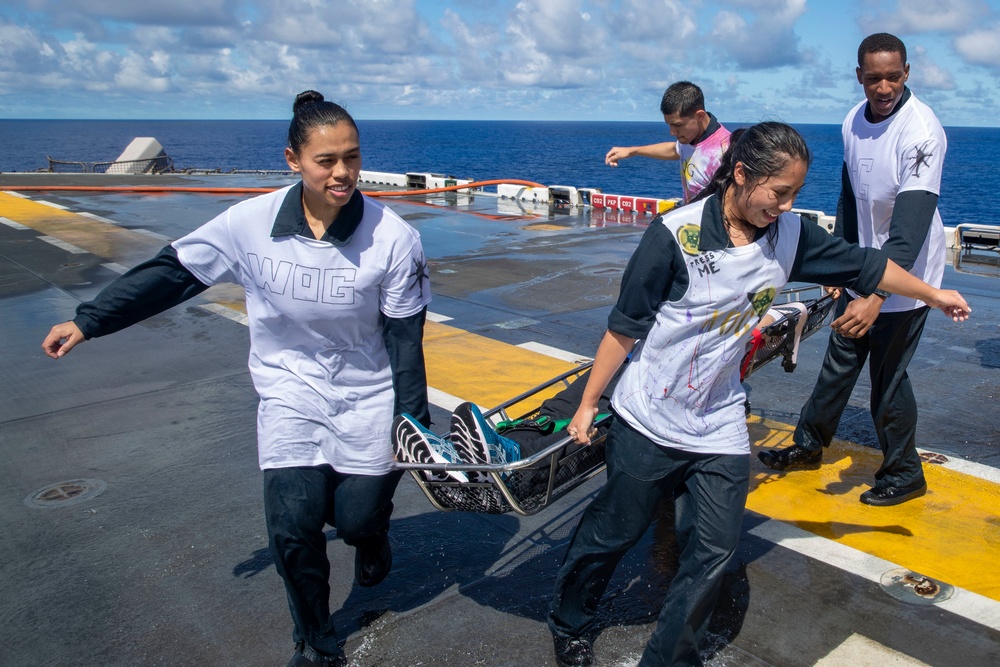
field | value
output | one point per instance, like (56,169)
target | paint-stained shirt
(700,160)
(692,301)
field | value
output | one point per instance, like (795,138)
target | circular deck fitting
(914,588)
(63,494)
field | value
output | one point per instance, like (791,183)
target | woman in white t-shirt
(701,278)
(336,295)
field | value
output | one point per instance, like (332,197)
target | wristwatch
(882,293)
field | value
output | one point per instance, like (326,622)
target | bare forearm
(611,354)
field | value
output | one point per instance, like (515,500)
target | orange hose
(145,189)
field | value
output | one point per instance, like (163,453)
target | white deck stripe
(153,234)
(52,204)
(114,266)
(969,605)
(99,218)
(437,317)
(14,225)
(15,193)
(68,247)
(970,468)
(554,352)
(860,651)
(227,312)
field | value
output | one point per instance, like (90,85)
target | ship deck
(132,506)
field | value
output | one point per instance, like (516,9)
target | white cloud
(761,35)
(980,47)
(905,17)
(927,74)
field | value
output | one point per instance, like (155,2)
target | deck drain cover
(908,586)
(62,494)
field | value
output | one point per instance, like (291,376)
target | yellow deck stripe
(952,534)
(96,237)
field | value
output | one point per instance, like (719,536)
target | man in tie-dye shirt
(700,139)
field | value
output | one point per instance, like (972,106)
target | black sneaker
(573,651)
(372,562)
(893,495)
(305,656)
(794,456)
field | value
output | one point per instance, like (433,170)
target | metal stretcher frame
(529,485)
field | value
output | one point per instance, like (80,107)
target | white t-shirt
(904,152)
(682,388)
(317,357)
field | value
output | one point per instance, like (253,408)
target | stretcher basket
(529,485)
(525,486)
(781,338)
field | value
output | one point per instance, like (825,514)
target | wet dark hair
(881,42)
(310,110)
(682,98)
(765,150)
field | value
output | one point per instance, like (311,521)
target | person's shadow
(436,550)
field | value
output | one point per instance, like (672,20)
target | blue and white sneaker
(479,442)
(413,443)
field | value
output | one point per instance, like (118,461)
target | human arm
(897,280)
(611,354)
(666,150)
(403,337)
(829,260)
(146,290)
(655,273)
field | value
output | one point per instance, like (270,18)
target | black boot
(795,456)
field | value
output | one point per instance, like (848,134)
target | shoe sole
(464,436)
(411,445)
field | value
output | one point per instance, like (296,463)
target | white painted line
(14,193)
(14,225)
(68,247)
(437,317)
(153,234)
(554,352)
(969,605)
(52,204)
(443,400)
(860,651)
(117,268)
(98,218)
(227,312)
(970,468)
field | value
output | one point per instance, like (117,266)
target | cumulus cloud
(926,73)
(905,17)
(760,34)
(980,47)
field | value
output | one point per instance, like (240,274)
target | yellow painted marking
(544,227)
(98,238)
(482,370)
(951,534)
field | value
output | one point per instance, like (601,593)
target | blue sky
(791,60)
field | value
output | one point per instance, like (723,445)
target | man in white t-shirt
(894,148)
(700,142)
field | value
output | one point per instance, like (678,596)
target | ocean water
(552,153)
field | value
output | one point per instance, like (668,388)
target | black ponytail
(310,110)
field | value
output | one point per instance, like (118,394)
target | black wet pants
(298,504)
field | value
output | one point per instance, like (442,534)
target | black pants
(710,494)
(888,347)
(298,504)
